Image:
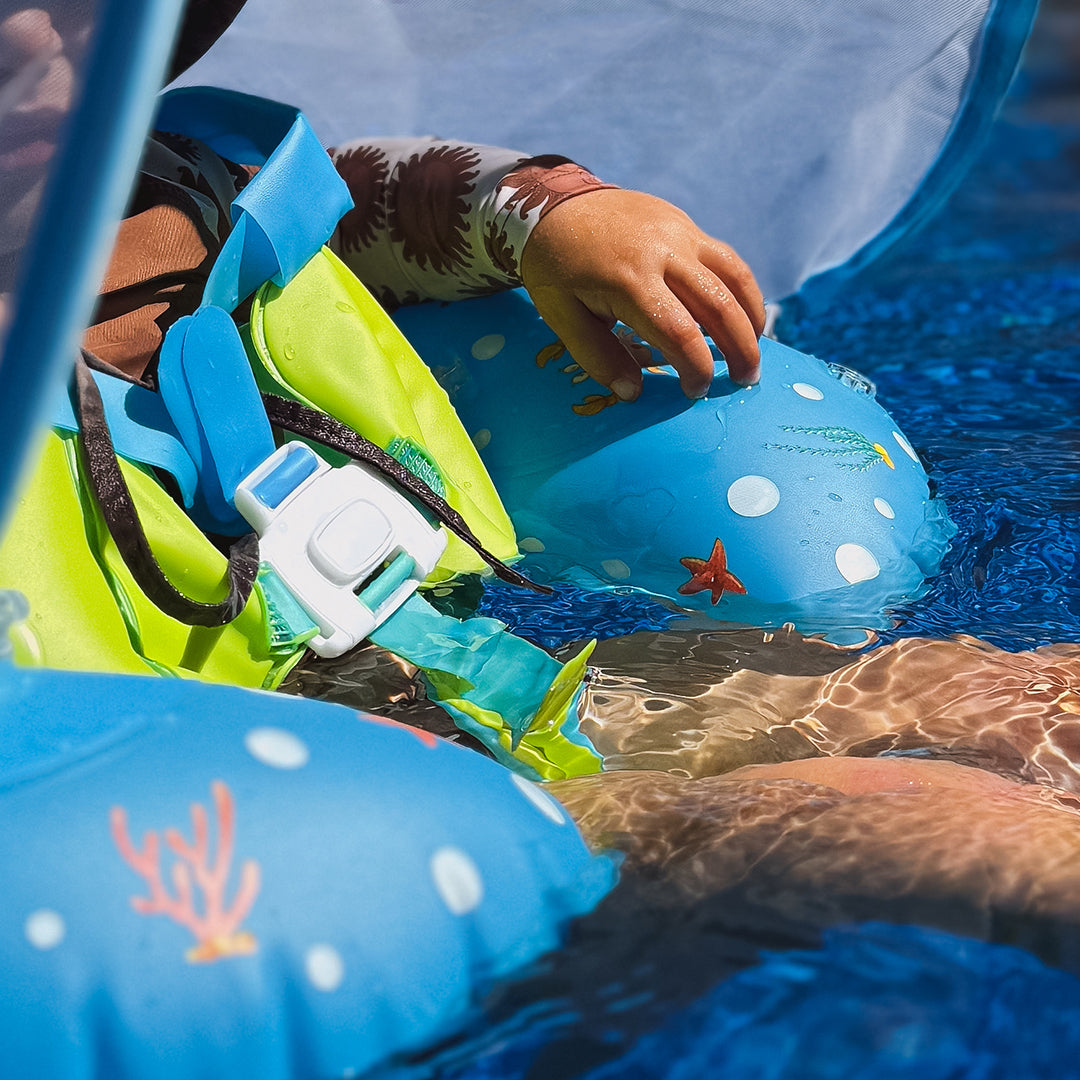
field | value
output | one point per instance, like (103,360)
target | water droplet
(348,308)
(835,497)
(290,352)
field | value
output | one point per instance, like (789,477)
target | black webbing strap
(122,519)
(321,428)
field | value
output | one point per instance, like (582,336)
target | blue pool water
(971,332)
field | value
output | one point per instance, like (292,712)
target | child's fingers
(589,340)
(668,326)
(739,279)
(724,319)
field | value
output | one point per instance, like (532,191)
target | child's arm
(445,220)
(629,257)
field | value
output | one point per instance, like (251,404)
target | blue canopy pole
(84,199)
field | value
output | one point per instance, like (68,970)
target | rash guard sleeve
(439,220)
(432,220)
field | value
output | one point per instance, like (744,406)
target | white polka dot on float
(45,929)
(615,568)
(884,509)
(324,968)
(540,799)
(531,543)
(855,563)
(753,496)
(486,347)
(811,393)
(276,747)
(457,880)
(481,438)
(905,446)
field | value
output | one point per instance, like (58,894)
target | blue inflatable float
(795,500)
(206,881)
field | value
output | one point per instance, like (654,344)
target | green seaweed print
(857,450)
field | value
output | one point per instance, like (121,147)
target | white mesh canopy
(797,131)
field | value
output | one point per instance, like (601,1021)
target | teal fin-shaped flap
(497,687)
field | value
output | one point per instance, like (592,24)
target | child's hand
(615,255)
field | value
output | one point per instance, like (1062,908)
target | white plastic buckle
(347,544)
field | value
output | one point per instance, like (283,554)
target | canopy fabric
(805,134)
(77,85)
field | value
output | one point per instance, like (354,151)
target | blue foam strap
(284,215)
(292,205)
(141,430)
(502,673)
(208,389)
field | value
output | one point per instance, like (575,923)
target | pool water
(971,332)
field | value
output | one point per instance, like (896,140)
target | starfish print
(712,574)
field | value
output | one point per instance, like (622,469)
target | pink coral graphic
(216,929)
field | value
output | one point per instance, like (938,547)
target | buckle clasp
(349,546)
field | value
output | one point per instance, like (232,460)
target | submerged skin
(958,698)
(733,779)
(821,830)
(930,842)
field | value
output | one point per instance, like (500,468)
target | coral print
(595,403)
(216,929)
(365,170)
(712,574)
(426,737)
(555,351)
(428,207)
(592,403)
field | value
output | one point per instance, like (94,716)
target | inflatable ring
(796,500)
(202,880)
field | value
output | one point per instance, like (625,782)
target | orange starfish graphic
(712,574)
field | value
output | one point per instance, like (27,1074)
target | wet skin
(774,790)
(748,767)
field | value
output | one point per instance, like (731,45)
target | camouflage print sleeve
(445,220)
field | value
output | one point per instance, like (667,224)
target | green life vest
(318,337)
